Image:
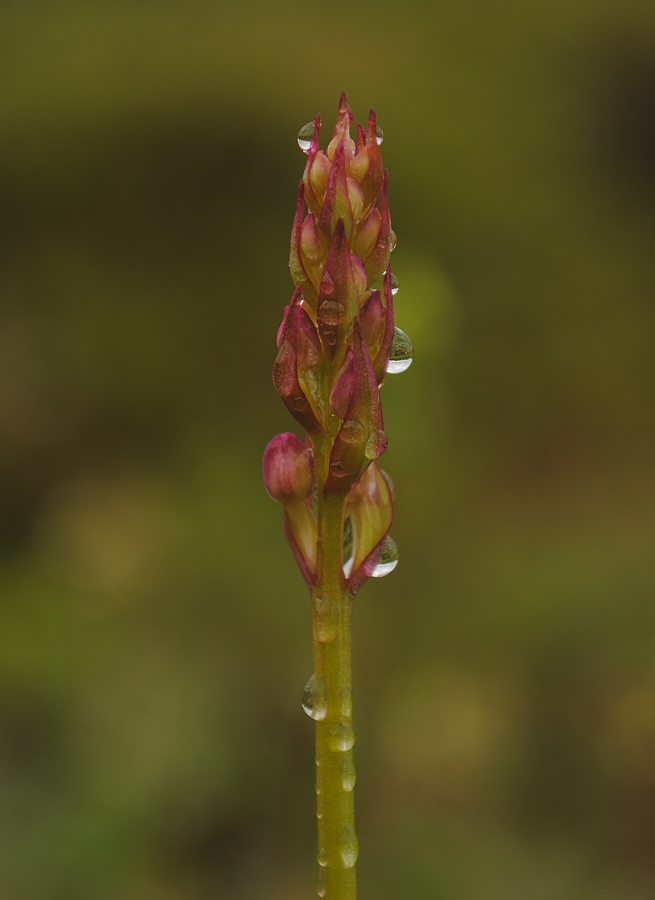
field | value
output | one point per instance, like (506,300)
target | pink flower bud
(361,437)
(288,469)
(337,202)
(378,259)
(289,479)
(299,350)
(296,265)
(370,507)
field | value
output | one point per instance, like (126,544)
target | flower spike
(335,344)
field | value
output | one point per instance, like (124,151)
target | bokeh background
(154,632)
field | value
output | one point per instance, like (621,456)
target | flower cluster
(335,344)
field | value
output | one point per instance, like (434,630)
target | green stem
(335,772)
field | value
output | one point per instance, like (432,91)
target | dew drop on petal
(341,738)
(331,312)
(395,284)
(305,137)
(348,847)
(389,559)
(376,444)
(351,431)
(338,469)
(348,774)
(394,241)
(402,353)
(379,135)
(314,698)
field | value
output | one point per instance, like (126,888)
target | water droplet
(394,241)
(346,698)
(348,566)
(305,137)
(379,135)
(332,312)
(402,353)
(341,738)
(338,469)
(389,559)
(351,431)
(376,445)
(395,284)
(348,847)
(348,774)
(319,806)
(320,884)
(314,698)
(322,857)
(329,336)
(327,283)
(326,619)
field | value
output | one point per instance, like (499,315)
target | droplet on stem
(395,284)
(314,698)
(348,774)
(394,241)
(341,738)
(379,135)
(348,847)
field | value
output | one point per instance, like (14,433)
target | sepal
(370,508)
(342,286)
(378,259)
(289,478)
(299,351)
(296,265)
(361,437)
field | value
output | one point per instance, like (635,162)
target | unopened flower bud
(370,507)
(299,350)
(288,469)
(289,479)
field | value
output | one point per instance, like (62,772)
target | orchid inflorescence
(335,344)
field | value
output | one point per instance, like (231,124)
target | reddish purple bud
(298,272)
(371,181)
(381,360)
(373,318)
(366,234)
(289,479)
(361,437)
(378,260)
(361,137)
(342,131)
(313,250)
(378,324)
(370,507)
(344,280)
(343,388)
(299,351)
(288,469)
(337,202)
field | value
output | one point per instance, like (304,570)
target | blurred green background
(154,631)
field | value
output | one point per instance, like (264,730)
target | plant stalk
(335,771)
